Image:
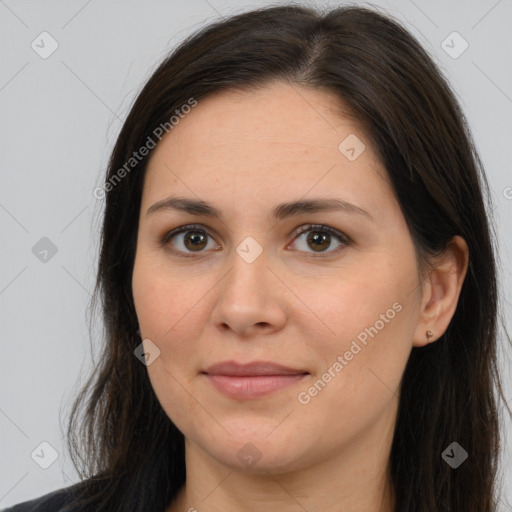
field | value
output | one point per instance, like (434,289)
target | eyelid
(321,227)
(187,227)
(343,238)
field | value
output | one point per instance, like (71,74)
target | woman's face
(339,309)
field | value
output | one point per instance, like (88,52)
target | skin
(245,152)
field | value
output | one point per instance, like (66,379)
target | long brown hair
(124,446)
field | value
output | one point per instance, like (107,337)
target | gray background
(59,117)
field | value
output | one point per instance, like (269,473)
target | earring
(429,335)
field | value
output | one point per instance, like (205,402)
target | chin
(256,451)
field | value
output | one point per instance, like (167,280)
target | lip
(252,380)
(255,368)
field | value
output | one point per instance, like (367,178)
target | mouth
(252,380)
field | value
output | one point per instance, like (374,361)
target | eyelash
(320,228)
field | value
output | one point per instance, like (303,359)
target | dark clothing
(51,502)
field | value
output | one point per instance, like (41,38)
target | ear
(441,291)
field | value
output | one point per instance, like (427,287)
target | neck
(354,478)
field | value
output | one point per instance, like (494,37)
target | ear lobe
(441,292)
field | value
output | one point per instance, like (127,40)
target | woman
(298,283)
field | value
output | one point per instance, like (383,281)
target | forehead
(274,140)
(298,119)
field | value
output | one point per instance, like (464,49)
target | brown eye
(188,239)
(195,240)
(319,239)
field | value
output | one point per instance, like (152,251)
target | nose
(250,299)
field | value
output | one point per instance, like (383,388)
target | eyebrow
(279,212)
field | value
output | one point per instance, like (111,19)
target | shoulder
(51,502)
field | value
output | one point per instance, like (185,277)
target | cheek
(172,309)
(168,308)
(167,316)
(363,361)
(359,383)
